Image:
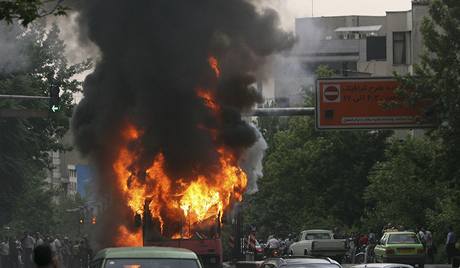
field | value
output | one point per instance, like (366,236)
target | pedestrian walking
(66,252)
(28,244)
(450,244)
(4,253)
(38,239)
(76,262)
(429,246)
(15,251)
(58,247)
(84,253)
(421,236)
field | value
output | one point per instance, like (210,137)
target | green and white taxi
(400,247)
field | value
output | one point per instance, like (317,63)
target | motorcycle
(365,254)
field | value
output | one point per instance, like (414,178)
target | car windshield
(150,263)
(318,236)
(403,239)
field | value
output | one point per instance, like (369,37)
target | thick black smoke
(154,58)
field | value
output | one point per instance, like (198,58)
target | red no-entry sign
(332,93)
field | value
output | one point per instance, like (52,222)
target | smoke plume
(154,57)
(251,161)
(12,55)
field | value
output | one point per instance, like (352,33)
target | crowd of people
(17,252)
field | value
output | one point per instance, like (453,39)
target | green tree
(314,179)
(25,143)
(324,71)
(34,210)
(27,11)
(438,78)
(403,187)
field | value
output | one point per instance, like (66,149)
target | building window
(399,48)
(376,48)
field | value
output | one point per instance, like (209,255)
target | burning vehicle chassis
(203,238)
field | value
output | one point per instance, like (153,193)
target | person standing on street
(58,246)
(4,252)
(450,244)
(66,252)
(421,235)
(272,244)
(429,246)
(28,244)
(76,263)
(15,250)
(38,239)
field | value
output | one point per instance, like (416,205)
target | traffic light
(54,98)
(93,220)
(81,221)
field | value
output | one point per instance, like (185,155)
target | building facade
(352,46)
(63,174)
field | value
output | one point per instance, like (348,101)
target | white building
(62,175)
(351,45)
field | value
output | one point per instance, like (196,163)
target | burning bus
(161,114)
(185,213)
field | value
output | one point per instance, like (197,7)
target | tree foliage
(25,143)
(27,11)
(404,183)
(314,179)
(437,78)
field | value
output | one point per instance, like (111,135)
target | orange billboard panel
(368,103)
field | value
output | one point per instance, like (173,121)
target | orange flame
(214,64)
(197,200)
(208,100)
(127,238)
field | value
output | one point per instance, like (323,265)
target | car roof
(318,231)
(303,260)
(381,265)
(405,232)
(145,253)
(310,261)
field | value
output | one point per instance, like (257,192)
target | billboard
(366,103)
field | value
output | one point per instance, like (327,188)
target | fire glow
(196,202)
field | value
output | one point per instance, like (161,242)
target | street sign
(331,93)
(54,108)
(366,103)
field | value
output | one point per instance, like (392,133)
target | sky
(291,9)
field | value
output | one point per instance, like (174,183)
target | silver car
(383,265)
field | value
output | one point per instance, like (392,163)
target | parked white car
(383,265)
(319,243)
